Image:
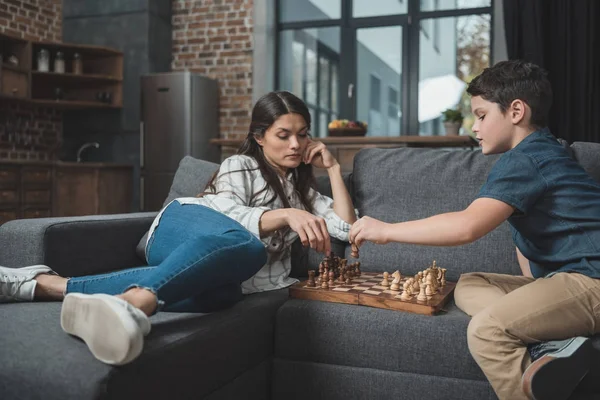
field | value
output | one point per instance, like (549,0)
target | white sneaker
(18,284)
(112,328)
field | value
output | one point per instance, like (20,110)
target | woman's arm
(342,203)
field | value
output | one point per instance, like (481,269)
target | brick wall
(214,38)
(28,132)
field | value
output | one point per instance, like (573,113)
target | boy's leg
(476,291)
(560,307)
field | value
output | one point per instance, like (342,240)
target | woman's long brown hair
(265,112)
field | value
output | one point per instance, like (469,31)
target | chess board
(366,290)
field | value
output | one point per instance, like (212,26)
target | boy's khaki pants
(510,312)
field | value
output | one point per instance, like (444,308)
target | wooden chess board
(366,290)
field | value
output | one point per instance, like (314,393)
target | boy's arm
(524,264)
(450,229)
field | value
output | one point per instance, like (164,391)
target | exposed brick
(214,38)
(42,21)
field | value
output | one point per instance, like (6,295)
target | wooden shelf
(102,72)
(71,104)
(11,67)
(69,77)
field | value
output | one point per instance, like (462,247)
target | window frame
(347,68)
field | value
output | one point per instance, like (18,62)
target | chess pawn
(422,295)
(429,291)
(342,277)
(357,269)
(407,292)
(416,283)
(348,279)
(443,280)
(324,283)
(311,279)
(386,280)
(331,278)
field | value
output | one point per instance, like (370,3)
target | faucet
(85,146)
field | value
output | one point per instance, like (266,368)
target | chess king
(553,207)
(205,252)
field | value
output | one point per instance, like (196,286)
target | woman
(205,252)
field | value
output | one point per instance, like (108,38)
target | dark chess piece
(354,251)
(311,279)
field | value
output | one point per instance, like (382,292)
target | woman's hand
(369,229)
(317,154)
(311,229)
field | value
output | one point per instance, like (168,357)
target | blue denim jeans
(197,260)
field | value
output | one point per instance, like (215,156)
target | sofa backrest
(404,184)
(396,185)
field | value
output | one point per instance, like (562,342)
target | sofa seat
(40,361)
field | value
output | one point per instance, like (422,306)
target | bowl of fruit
(344,127)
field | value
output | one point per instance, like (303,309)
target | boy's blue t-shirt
(556,223)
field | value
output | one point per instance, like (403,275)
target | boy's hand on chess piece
(311,229)
(369,229)
(318,155)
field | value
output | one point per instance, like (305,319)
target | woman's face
(284,142)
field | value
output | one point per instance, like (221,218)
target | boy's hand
(369,229)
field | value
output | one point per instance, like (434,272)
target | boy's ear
(517,111)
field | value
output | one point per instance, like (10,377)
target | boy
(553,207)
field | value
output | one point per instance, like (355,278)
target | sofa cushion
(357,336)
(409,183)
(184,353)
(588,155)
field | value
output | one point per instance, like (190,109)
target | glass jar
(77,64)
(59,63)
(43,60)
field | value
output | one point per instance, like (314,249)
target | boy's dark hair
(516,79)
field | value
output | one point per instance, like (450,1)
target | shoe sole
(111,335)
(563,370)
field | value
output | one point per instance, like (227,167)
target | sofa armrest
(75,246)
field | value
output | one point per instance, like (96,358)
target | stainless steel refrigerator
(179,115)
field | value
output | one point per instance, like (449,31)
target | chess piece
(396,282)
(324,283)
(429,286)
(348,279)
(311,279)
(354,250)
(407,290)
(443,280)
(422,295)
(386,280)
(357,268)
(331,278)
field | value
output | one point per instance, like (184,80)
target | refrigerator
(179,116)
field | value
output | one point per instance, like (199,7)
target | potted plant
(453,120)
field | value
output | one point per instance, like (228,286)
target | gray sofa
(270,346)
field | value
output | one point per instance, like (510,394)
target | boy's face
(494,129)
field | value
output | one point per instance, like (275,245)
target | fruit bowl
(344,127)
(347,132)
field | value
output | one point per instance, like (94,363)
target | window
(313,65)
(403,61)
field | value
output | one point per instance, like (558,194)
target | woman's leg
(195,250)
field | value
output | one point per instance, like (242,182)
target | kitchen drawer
(9,196)
(37,175)
(8,176)
(36,196)
(8,215)
(36,213)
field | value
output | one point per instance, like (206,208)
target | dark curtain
(562,36)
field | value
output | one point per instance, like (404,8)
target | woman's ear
(258,140)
